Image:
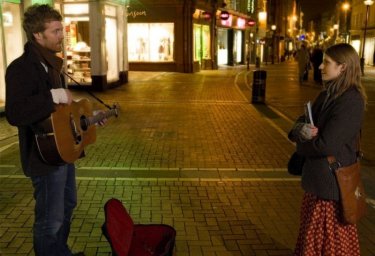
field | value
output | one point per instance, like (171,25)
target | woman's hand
(308,131)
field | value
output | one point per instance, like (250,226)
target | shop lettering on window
(135,14)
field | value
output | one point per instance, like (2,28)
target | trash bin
(259,86)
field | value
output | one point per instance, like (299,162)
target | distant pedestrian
(338,113)
(317,59)
(303,59)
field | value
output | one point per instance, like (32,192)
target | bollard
(259,86)
(257,62)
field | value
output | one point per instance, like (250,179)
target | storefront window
(11,42)
(2,73)
(111,42)
(77,42)
(197,43)
(222,52)
(12,31)
(202,42)
(238,46)
(151,41)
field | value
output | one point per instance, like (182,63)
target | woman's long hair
(350,76)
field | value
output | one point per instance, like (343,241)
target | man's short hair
(35,18)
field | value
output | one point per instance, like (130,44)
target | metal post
(273,47)
(273,28)
(362,60)
(346,27)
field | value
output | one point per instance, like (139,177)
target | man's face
(52,37)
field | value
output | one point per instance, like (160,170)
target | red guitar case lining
(129,239)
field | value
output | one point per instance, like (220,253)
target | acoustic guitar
(62,137)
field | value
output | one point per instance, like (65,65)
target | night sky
(313,8)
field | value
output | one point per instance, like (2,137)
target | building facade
(95,52)
(364,44)
(184,36)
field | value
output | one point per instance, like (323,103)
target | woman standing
(338,113)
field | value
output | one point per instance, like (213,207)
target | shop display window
(238,45)
(77,42)
(111,42)
(78,51)
(2,72)
(202,42)
(12,31)
(197,43)
(12,45)
(151,42)
(222,52)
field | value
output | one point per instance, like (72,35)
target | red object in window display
(224,15)
(206,15)
(251,22)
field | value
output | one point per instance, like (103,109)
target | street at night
(189,114)
(191,151)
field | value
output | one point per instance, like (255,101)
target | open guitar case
(129,239)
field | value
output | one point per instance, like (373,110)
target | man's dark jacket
(28,101)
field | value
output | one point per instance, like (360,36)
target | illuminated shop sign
(241,23)
(228,22)
(224,15)
(206,15)
(251,22)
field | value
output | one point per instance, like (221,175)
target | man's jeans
(55,198)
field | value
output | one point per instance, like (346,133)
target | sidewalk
(187,150)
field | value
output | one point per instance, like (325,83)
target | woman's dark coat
(339,124)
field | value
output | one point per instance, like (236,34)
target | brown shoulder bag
(352,192)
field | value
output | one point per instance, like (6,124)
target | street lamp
(346,7)
(273,28)
(368,3)
(261,32)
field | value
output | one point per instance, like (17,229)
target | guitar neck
(98,117)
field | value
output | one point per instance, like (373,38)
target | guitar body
(61,138)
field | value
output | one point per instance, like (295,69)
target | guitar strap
(93,95)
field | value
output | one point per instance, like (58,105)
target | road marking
(7,146)
(369,201)
(19,176)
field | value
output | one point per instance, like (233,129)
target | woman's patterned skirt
(322,233)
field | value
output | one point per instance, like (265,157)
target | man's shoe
(79,254)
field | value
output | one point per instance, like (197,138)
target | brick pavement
(164,158)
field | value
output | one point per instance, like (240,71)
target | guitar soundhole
(84,124)
(75,132)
